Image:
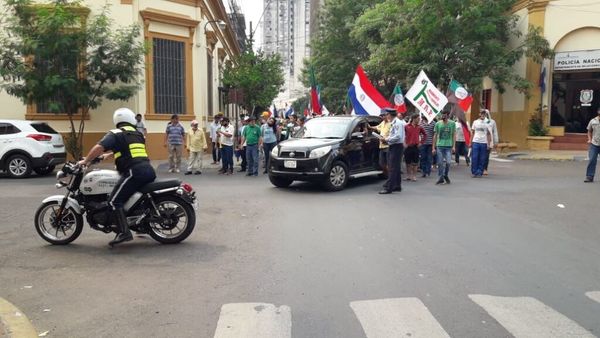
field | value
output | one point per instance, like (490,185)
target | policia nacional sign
(579,60)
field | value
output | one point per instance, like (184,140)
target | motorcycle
(165,210)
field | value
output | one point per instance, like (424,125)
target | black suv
(328,150)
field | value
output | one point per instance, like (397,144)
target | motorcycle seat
(159,185)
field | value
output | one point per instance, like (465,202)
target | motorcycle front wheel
(61,232)
(177,220)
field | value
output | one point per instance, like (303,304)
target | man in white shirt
(214,138)
(593,129)
(481,143)
(395,140)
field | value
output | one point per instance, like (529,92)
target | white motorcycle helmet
(124,115)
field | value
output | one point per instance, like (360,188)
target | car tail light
(187,187)
(40,137)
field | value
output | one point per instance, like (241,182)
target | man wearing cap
(395,140)
(593,129)
(252,138)
(196,145)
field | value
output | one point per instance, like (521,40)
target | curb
(529,157)
(13,322)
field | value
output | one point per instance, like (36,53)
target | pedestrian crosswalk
(406,317)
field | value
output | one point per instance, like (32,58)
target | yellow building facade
(190,42)
(572,78)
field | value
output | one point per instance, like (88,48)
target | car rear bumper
(49,159)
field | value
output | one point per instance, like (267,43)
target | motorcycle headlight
(275,151)
(319,152)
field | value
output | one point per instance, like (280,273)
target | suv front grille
(296,154)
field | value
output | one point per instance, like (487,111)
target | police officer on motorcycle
(129,150)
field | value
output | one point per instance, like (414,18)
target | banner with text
(426,97)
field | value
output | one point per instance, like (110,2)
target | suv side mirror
(357,135)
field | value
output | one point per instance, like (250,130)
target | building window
(486,99)
(169,76)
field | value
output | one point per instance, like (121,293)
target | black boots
(123,234)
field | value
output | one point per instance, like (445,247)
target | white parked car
(27,146)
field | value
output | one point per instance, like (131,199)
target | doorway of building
(575,99)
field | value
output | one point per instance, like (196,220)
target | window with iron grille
(169,76)
(486,99)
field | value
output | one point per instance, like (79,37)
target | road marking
(595,295)
(254,320)
(15,322)
(397,317)
(528,317)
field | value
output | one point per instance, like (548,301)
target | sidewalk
(14,323)
(547,155)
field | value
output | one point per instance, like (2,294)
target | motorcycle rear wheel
(69,228)
(178,220)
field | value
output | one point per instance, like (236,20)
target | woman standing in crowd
(415,135)
(270,136)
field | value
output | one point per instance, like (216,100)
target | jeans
(478,155)
(267,147)
(593,155)
(426,159)
(216,152)
(461,149)
(244,159)
(443,154)
(487,158)
(252,158)
(227,157)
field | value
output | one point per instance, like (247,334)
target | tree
(57,57)
(334,54)
(259,76)
(301,104)
(465,40)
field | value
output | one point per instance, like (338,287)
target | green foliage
(301,103)
(466,40)
(334,54)
(58,57)
(536,123)
(260,77)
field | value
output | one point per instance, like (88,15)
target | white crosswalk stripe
(397,317)
(528,317)
(595,295)
(254,320)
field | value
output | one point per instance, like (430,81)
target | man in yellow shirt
(383,129)
(196,145)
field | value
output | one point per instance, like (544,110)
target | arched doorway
(576,80)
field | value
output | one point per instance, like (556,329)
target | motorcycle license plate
(290,164)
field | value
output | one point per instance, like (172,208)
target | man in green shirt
(251,136)
(444,138)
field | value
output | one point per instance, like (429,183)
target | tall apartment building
(286,31)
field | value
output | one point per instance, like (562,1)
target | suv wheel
(44,171)
(18,166)
(337,178)
(280,182)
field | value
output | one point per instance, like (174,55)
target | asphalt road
(490,257)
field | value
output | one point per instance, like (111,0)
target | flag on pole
(398,99)
(325,111)
(366,100)
(426,97)
(459,95)
(289,112)
(542,82)
(314,93)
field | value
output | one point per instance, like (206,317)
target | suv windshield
(43,128)
(326,128)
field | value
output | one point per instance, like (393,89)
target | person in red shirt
(415,135)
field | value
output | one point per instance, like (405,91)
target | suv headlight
(319,152)
(275,151)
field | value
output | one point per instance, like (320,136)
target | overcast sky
(252,9)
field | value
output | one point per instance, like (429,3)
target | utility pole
(251,37)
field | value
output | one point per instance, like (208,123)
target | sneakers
(177,170)
(589,179)
(440,181)
(447,179)
(171,170)
(385,192)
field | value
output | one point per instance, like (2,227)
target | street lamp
(222,24)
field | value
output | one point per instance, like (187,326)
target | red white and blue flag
(365,98)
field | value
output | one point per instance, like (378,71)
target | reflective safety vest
(130,149)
